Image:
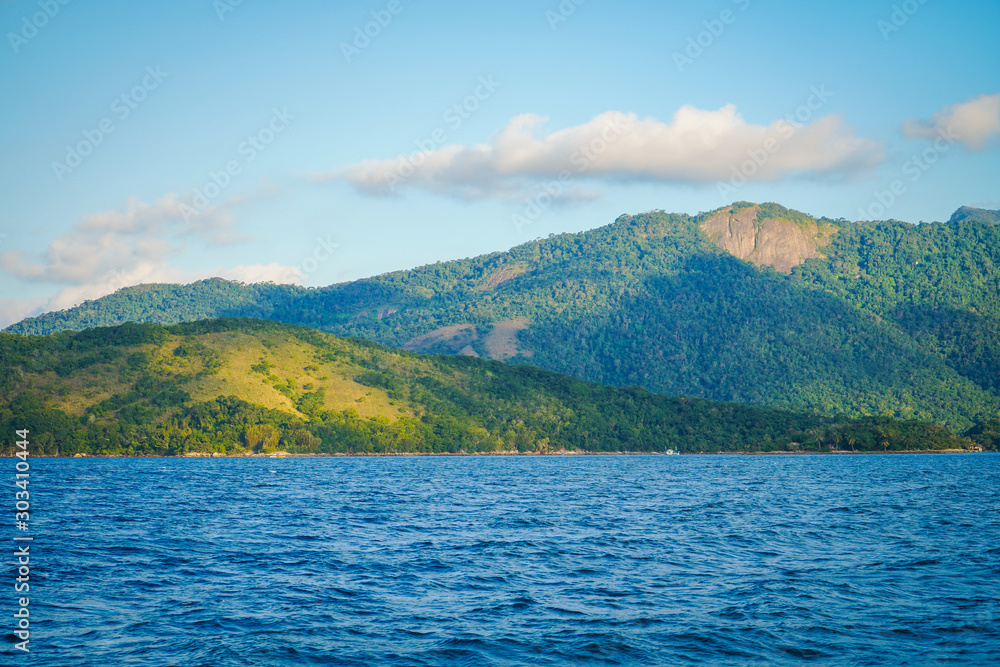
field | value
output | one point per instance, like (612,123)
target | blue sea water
(599,560)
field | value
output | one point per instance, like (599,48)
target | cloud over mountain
(108,250)
(695,147)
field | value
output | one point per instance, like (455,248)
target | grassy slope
(233,386)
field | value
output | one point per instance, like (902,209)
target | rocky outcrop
(781,243)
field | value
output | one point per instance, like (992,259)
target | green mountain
(976,215)
(749,303)
(249,386)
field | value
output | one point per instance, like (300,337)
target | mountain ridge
(870,318)
(976,214)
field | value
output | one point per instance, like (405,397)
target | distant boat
(671,452)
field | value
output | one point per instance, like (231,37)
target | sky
(320,142)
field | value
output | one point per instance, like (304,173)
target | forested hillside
(975,215)
(250,386)
(750,303)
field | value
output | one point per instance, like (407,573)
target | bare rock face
(451,339)
(500,343)
(783,244)
(735,234)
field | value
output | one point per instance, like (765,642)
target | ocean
(529,560)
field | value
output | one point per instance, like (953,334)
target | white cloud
(256,273)
(109,250)
(163,273)
(975,123)
(695,147)
(15,310)
(123,240)
(140,217)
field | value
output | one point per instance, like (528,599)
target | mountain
(976,215)
(749,303)
(159,303)
(236,386)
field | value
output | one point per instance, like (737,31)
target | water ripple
(640,560)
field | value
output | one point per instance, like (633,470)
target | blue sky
(316,142)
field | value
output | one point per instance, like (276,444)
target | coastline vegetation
(241,386)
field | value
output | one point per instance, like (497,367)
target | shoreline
(284,455)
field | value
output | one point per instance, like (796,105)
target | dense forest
(884,319)
(235,386)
